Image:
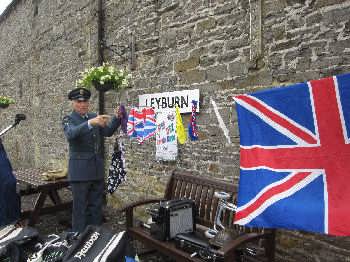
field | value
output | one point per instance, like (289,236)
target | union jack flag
(295,157)
(141,124)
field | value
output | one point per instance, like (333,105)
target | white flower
(124,82)
(111,69)
(104,73)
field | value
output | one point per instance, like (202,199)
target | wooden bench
(201,189)
(31,184)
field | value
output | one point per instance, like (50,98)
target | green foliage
(6,100)
(119,78)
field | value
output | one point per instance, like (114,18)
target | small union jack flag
(295,157)
(141,124)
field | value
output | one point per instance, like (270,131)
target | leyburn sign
(168,100)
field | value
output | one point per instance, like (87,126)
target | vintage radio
(172,217)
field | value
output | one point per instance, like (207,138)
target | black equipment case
(198,246)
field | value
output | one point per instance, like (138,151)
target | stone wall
(44,45)
(223,48)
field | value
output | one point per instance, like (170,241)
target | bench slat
(197,198)
(183,189)
(177,184)
(203,202)
(209,204)
(188,190)
(193,192)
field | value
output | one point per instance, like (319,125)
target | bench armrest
(140,203)
(129,209)
(229,249)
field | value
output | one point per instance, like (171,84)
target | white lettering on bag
(87,246)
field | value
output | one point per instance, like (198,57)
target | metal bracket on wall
(255,32)
(120,51)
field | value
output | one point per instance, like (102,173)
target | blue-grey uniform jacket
(85,159)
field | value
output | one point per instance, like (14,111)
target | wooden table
(31,183)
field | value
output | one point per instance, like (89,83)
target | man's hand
(118,112)
(100,120)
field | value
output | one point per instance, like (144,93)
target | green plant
(5,101)
(104,74)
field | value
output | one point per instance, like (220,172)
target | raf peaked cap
(80,94)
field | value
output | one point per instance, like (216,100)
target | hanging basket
(4,105)
(103,87)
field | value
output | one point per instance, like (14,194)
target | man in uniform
(83,131)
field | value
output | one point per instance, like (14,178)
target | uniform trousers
(87,204)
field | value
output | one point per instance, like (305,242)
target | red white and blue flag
(295,157)
(141,124)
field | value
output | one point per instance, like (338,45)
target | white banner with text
(168,100)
